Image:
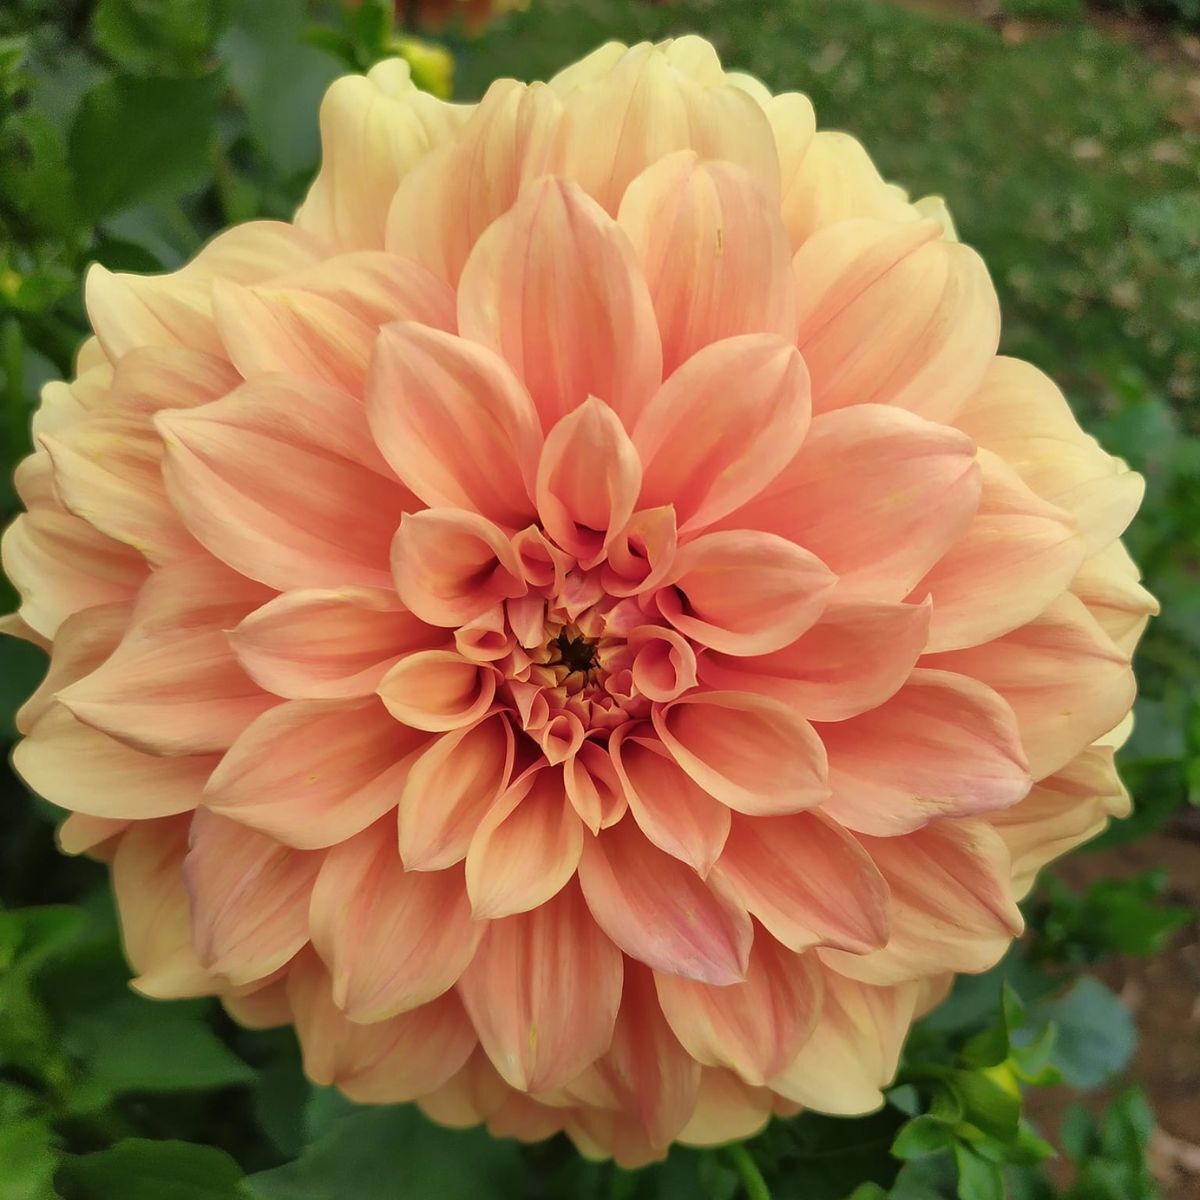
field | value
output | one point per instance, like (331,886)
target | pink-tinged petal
(323,324)
(131,311)
(890,313)
(108,471)
(1108,586)
(653,1077)
(392,939)
(150,378)
(82,643)
(13,625)
(807,881)
(744,592)
(944,745)
(640,556)
(755,1028)
(722,427)
(260,1005)
(951,903)
(649,106)
(526,847)
(857,655)
(486,638)
(77,767)
(727,1110)
(679,817)
(1062,676)
(659,911)
(877,494)
(311,773)
(93,836)
(152,904)
(1014,558)
(322,516)
(714,252)
(454,422)
(828,177)
(506,142)
(388,1062)
(750,752)
(173,685)
(664,663)
(248,897)
(60,565)
(854,1050)
(374,130)
(449,789)
(543,992)
(451,566)
(561,738)
(437,690)
(588,480)
(328,643)
(1021,415)
(594,787)
(1061,812)
(554,287)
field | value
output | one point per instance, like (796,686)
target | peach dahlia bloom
(581,622)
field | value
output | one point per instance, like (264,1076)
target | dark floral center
(575,653)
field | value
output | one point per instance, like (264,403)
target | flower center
(575,652)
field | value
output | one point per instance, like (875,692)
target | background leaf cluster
(131,130)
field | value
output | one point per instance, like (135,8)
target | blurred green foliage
(130,130)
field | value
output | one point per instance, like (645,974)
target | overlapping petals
(580,623)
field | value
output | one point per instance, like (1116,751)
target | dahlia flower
(581,623)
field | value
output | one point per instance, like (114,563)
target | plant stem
(752,1181)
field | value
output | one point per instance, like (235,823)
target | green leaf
(159,35)
(978,1179)
(922,1136)
(137,139)
(991,1100)
(1077,1132)
(138,1045)
(1096,1034)
(138,1169)
(28,1160)
(368,1152)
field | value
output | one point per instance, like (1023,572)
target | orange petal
(311,773)
(891,313)
(328,643)
(854,1050)
(1016,555)
(702,231)
(569,334)
(745,592)
(1061,674)
(543,992)
(588,480)
(755,1028)
(451,566)
(877,494)
(77,767)
(449,788)
(438,690)
(951,904)
(856,655)
(678,816)
(454,422)
(173,685)
(750,752)
(659,911)
(807,880)
(248,897)
(943,745)
(526,847)
(323,516)
(722,427)
(392,939)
